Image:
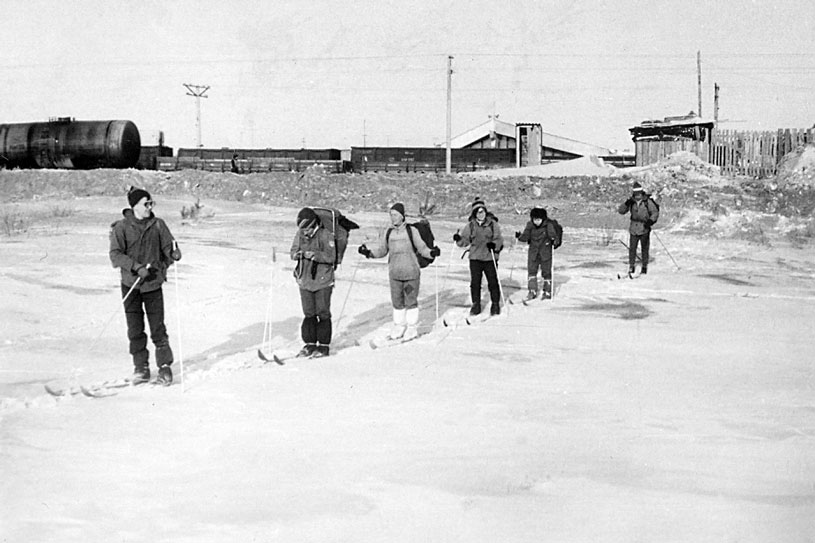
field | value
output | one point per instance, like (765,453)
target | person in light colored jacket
(401,243)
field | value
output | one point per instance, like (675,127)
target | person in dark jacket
(143,248)
(234,164)
(313,249)
(483,237)
(540,234)
(644,213)
(401,247)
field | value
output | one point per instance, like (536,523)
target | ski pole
(436,274)
(178,320)
(626,246)
(267,322)
(666,249)
(500,288)
(347,294)
(124,299)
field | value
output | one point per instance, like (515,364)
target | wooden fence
(756,154)
(652,151)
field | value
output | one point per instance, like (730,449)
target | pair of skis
(96,390)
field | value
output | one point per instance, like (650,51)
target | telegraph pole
(715,104)
(699,78)
(449,155)
(198,91)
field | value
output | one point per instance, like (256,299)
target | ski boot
(475,309)
(495,309)
(320,351)
(307,350)
(141,375)
(165,376)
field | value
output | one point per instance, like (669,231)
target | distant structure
(656,139)
(537,146)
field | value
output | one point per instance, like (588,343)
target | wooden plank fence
(755,153)
(652,151)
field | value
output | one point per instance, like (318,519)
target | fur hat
(400,207)
(637,187)
(307,218)
(134,196)
(537,213)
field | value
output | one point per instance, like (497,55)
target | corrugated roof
(552,141)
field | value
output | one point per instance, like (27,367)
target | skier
(644,213)
(541,235)
(314,250)
(483,237)
(143,247)
(401,243)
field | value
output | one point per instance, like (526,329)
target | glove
(491,246)
(456,237)
(435,251)
(176,254)
(364,251)
(297,256)
(308,255)
(517,235)
(629,202)
(146,273)
(649,223)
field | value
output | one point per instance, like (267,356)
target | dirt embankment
(694,196)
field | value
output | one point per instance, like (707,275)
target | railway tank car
(67,143)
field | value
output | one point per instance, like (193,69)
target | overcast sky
(339,74)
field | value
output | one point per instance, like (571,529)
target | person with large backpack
(644,214)
(483,237)
(406,249)
(542,234)
(315,251)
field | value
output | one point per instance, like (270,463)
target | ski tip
(277,360)
(54,392)
(372,344)
(262,356)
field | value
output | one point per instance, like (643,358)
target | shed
(655,139)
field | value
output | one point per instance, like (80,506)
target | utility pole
(364,135)
(715,104)
(699,78)
(198,91)
(449,155)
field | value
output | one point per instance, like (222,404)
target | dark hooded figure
(313,249)
(540,234)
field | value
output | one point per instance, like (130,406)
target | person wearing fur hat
(313,249)
(644,213)
(401,243)
(541,235)
(482,235)
(142,246)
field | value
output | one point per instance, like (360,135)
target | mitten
(435,251)
(456,237)
(491,245)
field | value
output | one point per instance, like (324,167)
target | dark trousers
(137,305)
(316,326)
(645,243)
(477,269)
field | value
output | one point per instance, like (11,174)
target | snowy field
(679,406)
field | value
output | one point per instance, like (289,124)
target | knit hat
(400,207)
(134,196)
(478,203)
(538,213)
(637,187)
(307,218)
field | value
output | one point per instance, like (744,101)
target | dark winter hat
(400,207)
(134,196)
(637,187)
(538,213)
(307,218)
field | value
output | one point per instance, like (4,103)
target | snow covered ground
(679,406)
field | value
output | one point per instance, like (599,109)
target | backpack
(423,227)
(338,226)
(558,234)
